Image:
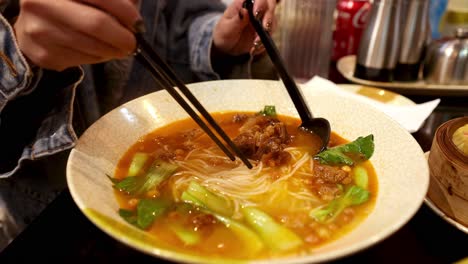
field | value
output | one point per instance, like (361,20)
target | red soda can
(352,16)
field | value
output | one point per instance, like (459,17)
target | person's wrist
(12,20)
(219,60)
(215,53)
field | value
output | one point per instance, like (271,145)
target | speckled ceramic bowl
(400,164)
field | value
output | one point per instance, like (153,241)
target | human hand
(60,34)
(234,35)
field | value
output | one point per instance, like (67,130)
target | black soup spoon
(318,126)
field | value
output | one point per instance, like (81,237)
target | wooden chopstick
(166,77)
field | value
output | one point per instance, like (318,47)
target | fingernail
(139,26)
(268,26)
(257,44)
(241,16)
(259,14)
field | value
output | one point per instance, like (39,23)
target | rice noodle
(248,187)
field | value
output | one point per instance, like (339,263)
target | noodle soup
(176,184)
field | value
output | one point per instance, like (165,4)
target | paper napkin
(411,117)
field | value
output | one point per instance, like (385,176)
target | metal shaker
(446,60)
(379,47)
(416,29)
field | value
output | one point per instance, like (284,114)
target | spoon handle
(273,52)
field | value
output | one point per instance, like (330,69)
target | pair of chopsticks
(166,78)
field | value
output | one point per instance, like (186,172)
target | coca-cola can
(351,19)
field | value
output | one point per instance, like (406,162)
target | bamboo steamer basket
(449,172)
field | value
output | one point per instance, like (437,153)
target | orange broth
(218,241)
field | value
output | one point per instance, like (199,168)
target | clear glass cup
(304,36)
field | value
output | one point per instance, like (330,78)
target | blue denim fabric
(200,35)
(186,46)
(16,74)
(181,32)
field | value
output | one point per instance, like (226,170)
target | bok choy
(275,235)
(139,185)
(138,161)
(188,236)
(253,243)
(147,211)
(361,178)
(348,154)
(199,195)
(355,195)
(250,239)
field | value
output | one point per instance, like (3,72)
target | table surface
(63,234)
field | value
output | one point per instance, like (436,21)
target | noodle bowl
(100,153)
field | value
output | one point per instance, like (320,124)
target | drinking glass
(304,36)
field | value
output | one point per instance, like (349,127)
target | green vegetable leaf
(323,214)
(113,180)
(145,214)
(129,216)
(148,210)
(137,185)
(129,185)
(355,195)
(269,110)
(348,154)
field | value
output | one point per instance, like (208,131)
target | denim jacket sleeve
(38,124)
(44,116)
(190,26)
(16,75)
(201,39)
(200,45)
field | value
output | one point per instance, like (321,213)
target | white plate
(402,170)
(347,64)
(378,94)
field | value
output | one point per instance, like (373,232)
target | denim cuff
(201,40)
(17,78)
(55,132)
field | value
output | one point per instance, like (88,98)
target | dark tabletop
(62,234)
